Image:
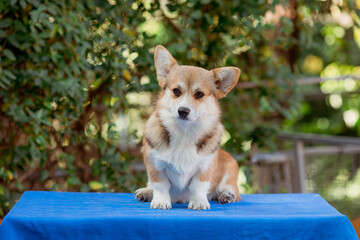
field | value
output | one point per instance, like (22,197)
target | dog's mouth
(183,118)
(186,120)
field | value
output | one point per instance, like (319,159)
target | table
(65,215)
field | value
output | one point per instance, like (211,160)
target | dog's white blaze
(193,115)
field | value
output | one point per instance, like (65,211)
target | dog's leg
(160,185)
(198,194)
(227,190)
(161,196)
(144,194)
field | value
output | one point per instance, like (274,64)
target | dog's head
(190,93)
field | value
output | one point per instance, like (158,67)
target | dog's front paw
(144,194)
(160,203)
(199,205)
(227,197)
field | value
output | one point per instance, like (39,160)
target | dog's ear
(163,63)
(225,79)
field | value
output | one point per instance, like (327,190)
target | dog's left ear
(163,63)
(225,79)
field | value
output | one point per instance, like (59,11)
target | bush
(64,77)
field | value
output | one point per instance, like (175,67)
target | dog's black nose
(183,112)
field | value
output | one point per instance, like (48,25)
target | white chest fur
(180,162)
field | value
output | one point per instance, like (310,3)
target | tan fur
(159,137)
(209,142)
(191,80)
(152,173)
(226,164)
(173,148)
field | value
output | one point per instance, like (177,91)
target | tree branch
(172,24)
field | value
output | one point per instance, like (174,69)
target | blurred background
(77,83)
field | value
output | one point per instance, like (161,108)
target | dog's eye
(176,92)
(199,95)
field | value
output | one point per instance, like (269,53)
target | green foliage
(64,71)
(76,79)
(330,48)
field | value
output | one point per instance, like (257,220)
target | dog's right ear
(225,79)
(163,63)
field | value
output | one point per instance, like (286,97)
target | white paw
(160,203)
(144,194)
(227,196)
(199,205)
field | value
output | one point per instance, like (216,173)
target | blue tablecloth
(62,215)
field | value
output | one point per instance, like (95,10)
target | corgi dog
(182,138)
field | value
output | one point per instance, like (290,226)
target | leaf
(13,41)
(196,14)
(11,176)
(73,181)
(19,25)
(36,3)
(127,75)
(2,34)
(40,140)
(22,3)
(44,175)
(13,2)
(9,54)
(94,185)
(84,188)
(9,74)
(5,23)
(5,80)
(208,18)
(58,46)
(39,113)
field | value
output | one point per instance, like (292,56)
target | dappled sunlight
(226,137)
(352,189)
(313,64)
(357,36)
(335,100)
(144,80)
(141,98)
(351,116)
(246,145)
(243,182)
(342,18)
(338,86)
(323,123)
